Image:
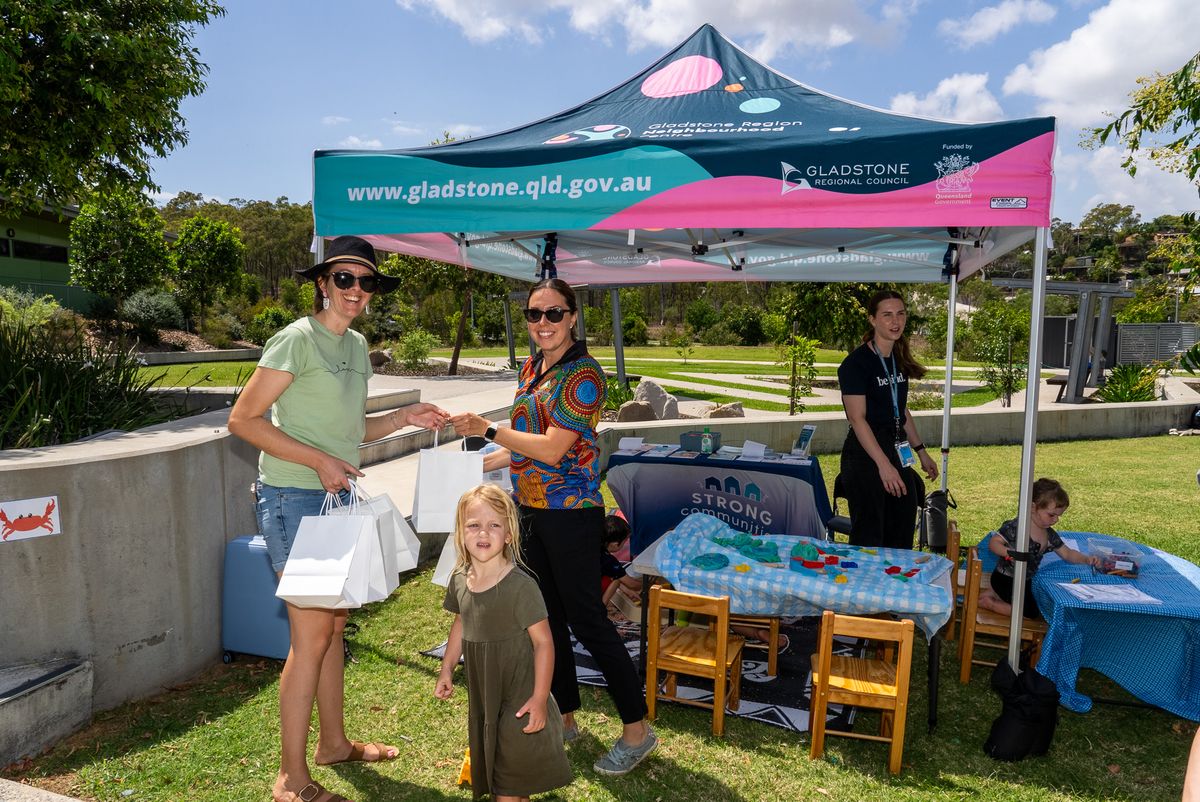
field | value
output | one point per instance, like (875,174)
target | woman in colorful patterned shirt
(555,463)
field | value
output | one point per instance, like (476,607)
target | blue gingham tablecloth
(775,590)
(1151,650)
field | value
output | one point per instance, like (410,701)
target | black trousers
(877,518)
(562,548)
(1003,585)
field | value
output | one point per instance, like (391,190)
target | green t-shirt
(325,405)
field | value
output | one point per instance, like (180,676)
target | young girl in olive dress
(500,627)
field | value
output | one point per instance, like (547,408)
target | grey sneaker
(622,759)
(570,733)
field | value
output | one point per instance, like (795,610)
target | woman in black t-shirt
(881,491)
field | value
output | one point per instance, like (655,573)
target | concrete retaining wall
(133,582)
(187,357)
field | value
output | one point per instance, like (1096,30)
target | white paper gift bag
(446,562)
(442,477)
(331,562)
(384,572)
(408,547)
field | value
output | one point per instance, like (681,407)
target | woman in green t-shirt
(313,378)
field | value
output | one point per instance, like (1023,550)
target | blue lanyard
(893,378)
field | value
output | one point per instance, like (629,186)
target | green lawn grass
(200,374)
(217,738)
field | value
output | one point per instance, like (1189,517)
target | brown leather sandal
(315,792)
(358,754)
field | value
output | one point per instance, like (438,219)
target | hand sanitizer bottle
(706,441)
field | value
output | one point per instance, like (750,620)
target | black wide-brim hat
(352,249)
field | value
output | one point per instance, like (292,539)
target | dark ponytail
(906,362)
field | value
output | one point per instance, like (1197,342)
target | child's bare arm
(543,670)
(445,680)
(1077,557)
(998,545)
(610,591)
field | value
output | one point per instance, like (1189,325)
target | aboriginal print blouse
(570,395)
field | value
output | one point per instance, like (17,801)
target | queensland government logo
(955,173)
(730,501)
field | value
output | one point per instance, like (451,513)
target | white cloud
(988,23)
(1084,179)
(1094,70)
(963,97)
(356,142)
(404,129)
(463,130)
(764,27)
(333,119)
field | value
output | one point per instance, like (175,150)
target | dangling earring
(367,309)
(325,302)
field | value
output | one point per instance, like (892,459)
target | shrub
(746,323)
(633,330)
(266,323)
(597,323)
(701,315)
(33,310)
(151,310)
(776,328)
(413,349)
(799,357)
(1129,383)
(59,388)
(221,330)
(616,393)
(720,334)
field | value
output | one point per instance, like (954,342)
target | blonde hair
(501,503)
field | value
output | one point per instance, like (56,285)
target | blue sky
(288,77)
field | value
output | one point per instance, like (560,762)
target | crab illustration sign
(29,517)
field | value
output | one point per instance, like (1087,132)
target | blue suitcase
(253,621)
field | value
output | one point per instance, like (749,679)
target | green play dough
(710,562)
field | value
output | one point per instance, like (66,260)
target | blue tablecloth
(756,588)
(656,493)
(1151,650)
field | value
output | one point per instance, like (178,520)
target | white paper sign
(753,450)
(628,443)
(29,517)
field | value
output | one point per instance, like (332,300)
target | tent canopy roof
(706,166)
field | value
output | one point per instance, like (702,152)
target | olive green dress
(499,667)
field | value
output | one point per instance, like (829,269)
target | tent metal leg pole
(948,390)
(1029,443)
(618,335)
(508,335)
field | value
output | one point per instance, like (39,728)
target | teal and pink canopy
(707,166)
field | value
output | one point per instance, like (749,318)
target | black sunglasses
(554,314)
(344,281)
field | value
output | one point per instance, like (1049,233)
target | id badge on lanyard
(908,457)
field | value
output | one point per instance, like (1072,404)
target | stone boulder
(733,410)
(379,358)
(665,405)
(635,411)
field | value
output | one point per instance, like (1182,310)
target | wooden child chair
(866,682)
(958,576)
(712,652)
(976,621)
(771,625)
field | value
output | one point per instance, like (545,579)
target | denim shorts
(279,512)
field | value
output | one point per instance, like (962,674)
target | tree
(1164,117)
(208,258)
(117,246)
(1108,223)
(1165,114)
(91,92)
(1000,332)
(830,313)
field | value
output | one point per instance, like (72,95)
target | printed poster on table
(21,519)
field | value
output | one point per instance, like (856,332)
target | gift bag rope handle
(333,500)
